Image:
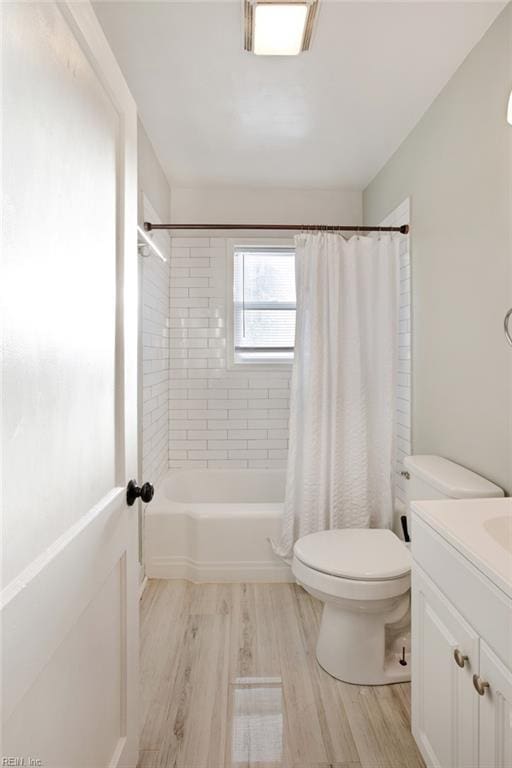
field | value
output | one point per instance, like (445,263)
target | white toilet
(363,577)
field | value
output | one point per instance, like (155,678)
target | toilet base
(352,644)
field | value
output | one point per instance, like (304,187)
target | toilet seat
(359,554)
(348,589)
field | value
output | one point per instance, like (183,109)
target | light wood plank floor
(229,678)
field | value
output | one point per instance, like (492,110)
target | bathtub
(215,525)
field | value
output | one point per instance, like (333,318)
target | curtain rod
(404,229)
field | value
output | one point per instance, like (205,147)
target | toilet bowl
(363,577)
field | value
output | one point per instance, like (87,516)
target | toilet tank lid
(451,479)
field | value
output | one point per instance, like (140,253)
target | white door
(69,434)
(444,709)
(495,711)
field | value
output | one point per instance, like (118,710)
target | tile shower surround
(218,417)
(155,363)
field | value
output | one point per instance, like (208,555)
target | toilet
(363,577)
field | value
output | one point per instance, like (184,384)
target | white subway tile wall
(397,218)
(155,361)
(218,417)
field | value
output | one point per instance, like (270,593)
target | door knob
(133,492)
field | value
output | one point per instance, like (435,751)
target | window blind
(264,301)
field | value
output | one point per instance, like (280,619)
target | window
(264,304)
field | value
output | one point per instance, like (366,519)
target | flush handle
(133,492)
(480,685)
(459,657)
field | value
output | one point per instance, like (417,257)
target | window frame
(233,363)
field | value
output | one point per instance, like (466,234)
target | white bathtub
(214,525)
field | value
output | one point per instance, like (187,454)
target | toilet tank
(432,477)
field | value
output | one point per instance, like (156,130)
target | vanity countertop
(480,529)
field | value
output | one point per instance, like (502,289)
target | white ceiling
(330,117)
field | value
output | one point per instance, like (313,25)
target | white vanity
(462,632)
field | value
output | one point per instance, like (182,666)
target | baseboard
(191,570)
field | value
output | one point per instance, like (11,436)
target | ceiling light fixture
(278,27)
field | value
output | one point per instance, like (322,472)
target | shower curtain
(341,454)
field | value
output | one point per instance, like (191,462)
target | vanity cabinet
(445,657)
(461,658)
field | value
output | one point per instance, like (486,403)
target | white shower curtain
(341,454)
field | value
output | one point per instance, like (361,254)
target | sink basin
(500,528)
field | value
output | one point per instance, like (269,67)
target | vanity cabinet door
(444,659)
(495,711)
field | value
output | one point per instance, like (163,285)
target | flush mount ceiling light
(278,27)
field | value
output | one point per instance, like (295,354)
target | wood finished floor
(229,678)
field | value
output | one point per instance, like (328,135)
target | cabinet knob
(459,657)
(508,334)
(480,685)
